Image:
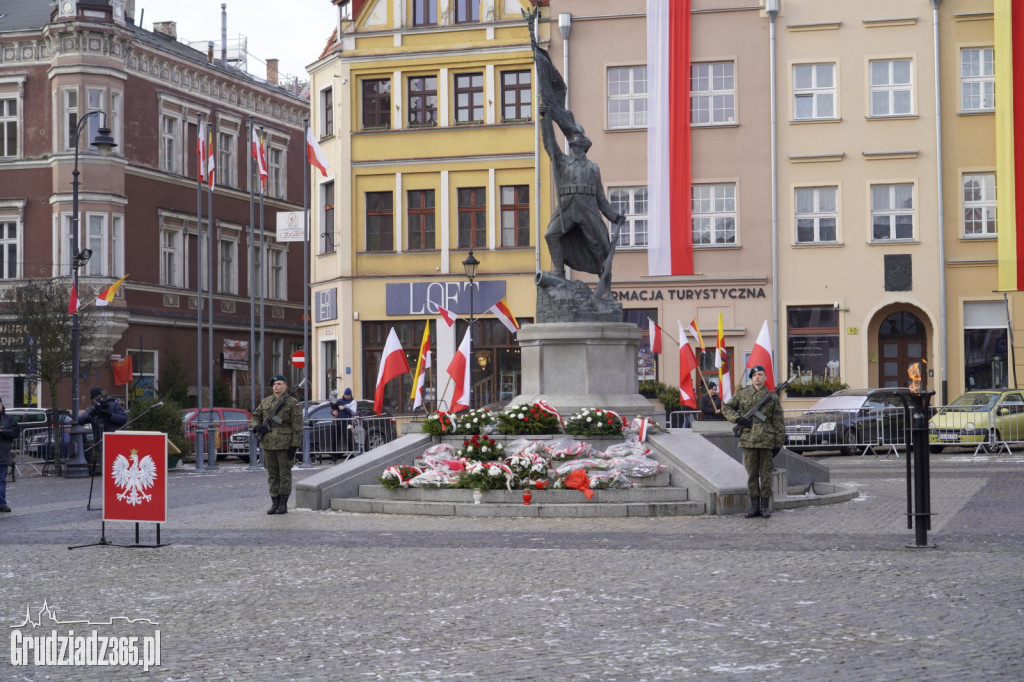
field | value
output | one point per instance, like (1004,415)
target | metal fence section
(980,427)
(683,419)
(850,432)
(223,430)
(331,439)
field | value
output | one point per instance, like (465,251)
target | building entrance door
(902,339)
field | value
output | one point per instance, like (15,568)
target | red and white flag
(505,316)
(459,371)
(670,239)
(315,154)
(655,333)
(201,151)
(687,363)
(448,316)
(392,365)
(74,305)
(762,355)
(259,155)
(211,165)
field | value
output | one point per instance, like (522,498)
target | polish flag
(505,316)
(260,156)
(448,316)
(392,365)
(73,304)
(762,355)
(687,363)
(210,163)
(655,333)
(459,371)
(201,151)
(670,239)
(315,154)
(422,368)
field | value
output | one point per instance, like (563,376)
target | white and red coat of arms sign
(135,477)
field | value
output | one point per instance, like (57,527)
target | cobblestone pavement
(827,592)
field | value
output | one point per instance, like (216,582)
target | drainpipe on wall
(772,8)
(943,341)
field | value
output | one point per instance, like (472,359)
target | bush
(817,387)
(669,397)
(165,419)
(650,388)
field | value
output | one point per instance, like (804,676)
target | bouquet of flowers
(476,422)
(486,476)
(594,422)
(525,468)
(528,419)
(480,449)
(398,476)
(439,424)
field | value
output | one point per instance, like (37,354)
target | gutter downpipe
(944,350)
(772,7)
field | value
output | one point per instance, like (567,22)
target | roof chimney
(272,71)
(166,28)
(224,33)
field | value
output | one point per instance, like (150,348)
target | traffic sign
(299,359)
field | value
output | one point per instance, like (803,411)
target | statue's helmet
(579,138)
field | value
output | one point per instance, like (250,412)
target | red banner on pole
(135,476)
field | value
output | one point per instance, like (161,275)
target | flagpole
(305,287)
(211,445)
(252,304)
(200,166)
(263,282)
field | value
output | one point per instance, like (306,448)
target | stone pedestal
(574,365)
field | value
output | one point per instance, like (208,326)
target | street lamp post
(470,265)
(76,466)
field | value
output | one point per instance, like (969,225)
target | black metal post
(921,514)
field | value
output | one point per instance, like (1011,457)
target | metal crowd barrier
(850,432)
(683,419)
(333,439)
(986,429)
(222,432)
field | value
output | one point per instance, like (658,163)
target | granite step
(539,510)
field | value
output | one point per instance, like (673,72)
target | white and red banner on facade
(135,476)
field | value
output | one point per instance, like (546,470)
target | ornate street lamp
(470,265)
(76,466)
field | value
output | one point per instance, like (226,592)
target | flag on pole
(654,331)
(459,371)
(422,365)
(392,365)
(73,305)
(315,154)
(1008,55)
(722,363)
(695,333)
(687,363)
(762,355)
(259,155)
(448,316)
(504,315)
(106,297)
(210,163)
(670,239)
(122,371)
(201,151)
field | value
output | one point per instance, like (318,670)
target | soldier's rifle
(755,412)
(272,419)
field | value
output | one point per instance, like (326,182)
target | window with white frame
(277,272)
(95,100)
(170,135)
(70,117)
(10,249)
(95,238)
(327,112)
(891,87)
(327,217)
(227,262)
(712,93)
(979,204)
(816,214)
(627,97)
(277,355)
(276,170)
(8,127)
(117,245)
(714,213)
(814,91)
(114,117)
(977,79)
(172,269)
(226,170)
(632,203)
(892,212)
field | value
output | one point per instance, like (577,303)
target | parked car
(323,434)
(850,420)
(226,422)
(978,417)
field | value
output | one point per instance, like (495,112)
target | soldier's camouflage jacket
(770,433)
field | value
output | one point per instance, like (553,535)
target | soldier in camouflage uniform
(279,441)
(761,439)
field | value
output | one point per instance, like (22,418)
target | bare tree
(40,307)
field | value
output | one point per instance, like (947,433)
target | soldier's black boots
(273,507)
(282,505)
(755,508)
(766,507)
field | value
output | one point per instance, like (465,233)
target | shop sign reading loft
(693,294)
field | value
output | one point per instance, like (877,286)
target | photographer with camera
(105,414)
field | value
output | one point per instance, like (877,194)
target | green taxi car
(990,417)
